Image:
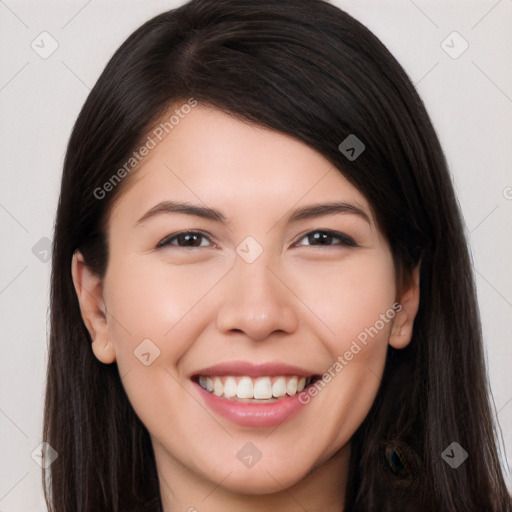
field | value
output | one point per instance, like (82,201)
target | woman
(211,348)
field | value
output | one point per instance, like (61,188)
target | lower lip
(252,414)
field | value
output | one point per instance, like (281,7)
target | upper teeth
(258,388)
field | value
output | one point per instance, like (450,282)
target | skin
(201,305)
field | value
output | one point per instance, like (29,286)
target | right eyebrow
(179,207)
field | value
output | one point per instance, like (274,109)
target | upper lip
(244,368)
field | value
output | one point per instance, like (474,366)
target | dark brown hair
(307,69)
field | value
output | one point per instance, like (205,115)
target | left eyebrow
(307,212)
(319,210)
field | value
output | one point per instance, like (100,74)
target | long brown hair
(307,69)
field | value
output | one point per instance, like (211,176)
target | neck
(183,490)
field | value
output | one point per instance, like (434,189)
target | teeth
(245,388)
(218,387)
(279,387)
(206,383)
(291,386)
(230,387)
(261,388)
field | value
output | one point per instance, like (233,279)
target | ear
(89,290)
(408,300)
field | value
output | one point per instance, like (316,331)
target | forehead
(216,159)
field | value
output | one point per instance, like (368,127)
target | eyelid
(164,241)
(345,240)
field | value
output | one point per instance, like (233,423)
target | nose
(256,301)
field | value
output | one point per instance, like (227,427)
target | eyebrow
(205,212)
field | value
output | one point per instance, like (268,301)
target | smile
(254,389)
(253,395)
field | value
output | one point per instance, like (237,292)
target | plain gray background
(467,93)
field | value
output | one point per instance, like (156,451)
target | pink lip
(239,368)
(252,414)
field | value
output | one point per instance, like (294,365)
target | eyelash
(344,239)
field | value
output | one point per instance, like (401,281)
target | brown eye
(184,239)
(326,237)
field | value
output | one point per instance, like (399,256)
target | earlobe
(403,322)
(104,351)
(89,290)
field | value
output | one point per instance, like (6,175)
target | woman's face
(265,293)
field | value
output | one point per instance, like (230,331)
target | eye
(184,239)
(323,237)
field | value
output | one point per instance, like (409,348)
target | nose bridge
(255,300)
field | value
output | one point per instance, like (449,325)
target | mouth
(249,389)
(253,395)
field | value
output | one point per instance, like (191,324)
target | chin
(260,482)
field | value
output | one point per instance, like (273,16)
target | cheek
(153,300)
(354,302)
(348,299)
(156,314)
